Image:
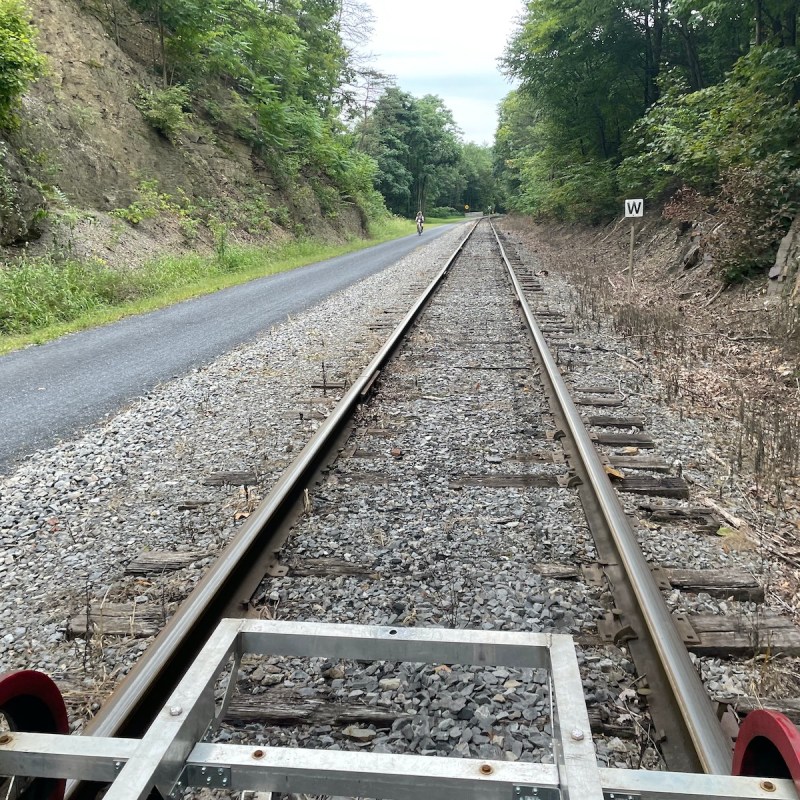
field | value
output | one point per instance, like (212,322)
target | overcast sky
(448,48)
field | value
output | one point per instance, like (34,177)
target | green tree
(480,192)
(417,147)
(20,61)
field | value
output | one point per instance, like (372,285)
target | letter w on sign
(634,208)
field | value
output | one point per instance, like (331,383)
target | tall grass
(35,293)
(41,298)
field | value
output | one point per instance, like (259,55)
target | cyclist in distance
(420,220)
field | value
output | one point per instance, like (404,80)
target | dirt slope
(83,146)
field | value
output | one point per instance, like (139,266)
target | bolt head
(175,711)
(577,734)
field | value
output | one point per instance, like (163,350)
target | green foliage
(481,190)
(20,62)
(36,293)
(327,197)
(443,212)
(165,109)
(734,145)
(151,203)
(235,113)
(416,146)
(546,172)
(694,139)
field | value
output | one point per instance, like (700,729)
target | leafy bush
(327,197)
(165,109)
(694,139)
(444,211)
(562,185)
(734,148)
(153,202)
(20,62)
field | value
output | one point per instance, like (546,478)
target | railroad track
(457,486)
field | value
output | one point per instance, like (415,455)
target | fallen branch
(734,522)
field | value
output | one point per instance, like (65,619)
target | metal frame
(172,756)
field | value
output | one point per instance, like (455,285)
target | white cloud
(448,48)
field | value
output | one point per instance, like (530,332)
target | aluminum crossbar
(172,755)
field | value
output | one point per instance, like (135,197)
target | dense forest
(692,104)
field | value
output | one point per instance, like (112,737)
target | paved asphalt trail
(50,392)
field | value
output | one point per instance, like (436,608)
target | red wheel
(768,746)
(31,702)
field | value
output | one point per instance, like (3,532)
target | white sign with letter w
(634,208)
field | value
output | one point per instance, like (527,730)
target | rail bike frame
(175,754)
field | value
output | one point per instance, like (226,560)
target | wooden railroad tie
(740,636)
(135,620)
(150,562)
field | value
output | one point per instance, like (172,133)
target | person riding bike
(420,220)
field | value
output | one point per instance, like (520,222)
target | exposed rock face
(785,273)
(81,133)
(21,204)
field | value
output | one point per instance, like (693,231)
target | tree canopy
(422,161)
(639,98)
(20,62)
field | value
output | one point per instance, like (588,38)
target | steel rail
(142,693)
(699,722)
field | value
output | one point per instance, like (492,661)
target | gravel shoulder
(53,391)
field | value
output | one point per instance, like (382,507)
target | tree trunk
(162,45)
(759,22)
(696,80)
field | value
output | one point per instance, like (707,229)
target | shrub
(165,109)
(20,62)
(444,211)
(38,292)
(695,139)
(152,203)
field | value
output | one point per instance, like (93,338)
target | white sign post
(633,209)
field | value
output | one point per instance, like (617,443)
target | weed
(150,204)
(165,110)
(84,117)
(35,293)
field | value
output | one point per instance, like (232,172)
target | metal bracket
(685,629)
(661,578)
(569,481)
(594,575)
(614,630)
(209,777)
(536,793)
(621,796)
(276,570)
